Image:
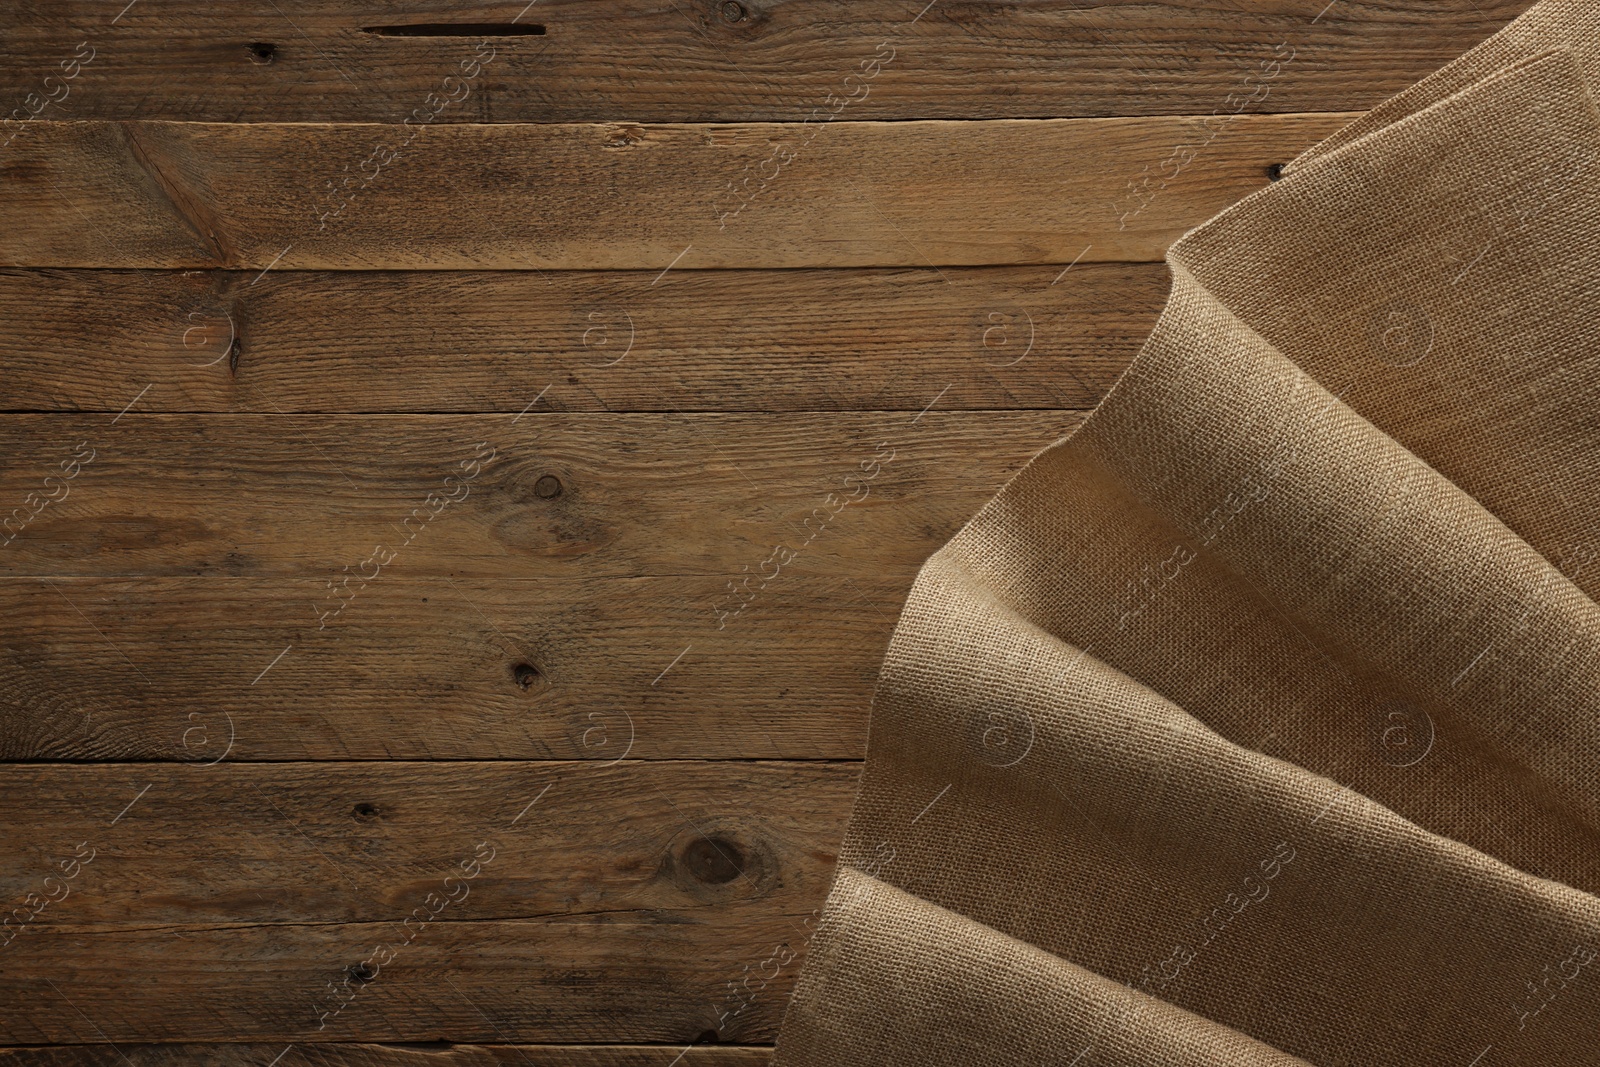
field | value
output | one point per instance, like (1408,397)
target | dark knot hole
(714,860)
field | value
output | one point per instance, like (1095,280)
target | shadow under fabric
(1258,721)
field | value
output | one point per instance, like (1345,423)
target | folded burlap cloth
(1258,721)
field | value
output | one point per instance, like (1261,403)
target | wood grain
(629,196)
(279,338)
(505,496)
(651,61)
(354,842)
(435,667)
(451,341)
(405,1054)
(559,903)
(625,980)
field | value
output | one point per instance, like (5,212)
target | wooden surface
(764,341)
(601,60)
(690,869)
(447,567)
(508,197)
(409,1054)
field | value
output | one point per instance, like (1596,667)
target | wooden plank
(608,196)
(349,341)
(438,668)
(662,978)
(114,190)
(361,499)
(499,902)
(645,60)
(357,842)
(406,1054)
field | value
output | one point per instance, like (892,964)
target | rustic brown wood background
(462,462)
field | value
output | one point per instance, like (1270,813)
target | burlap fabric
(1258,721)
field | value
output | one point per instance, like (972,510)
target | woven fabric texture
(1258,721)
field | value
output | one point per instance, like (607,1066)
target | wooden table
(464,461)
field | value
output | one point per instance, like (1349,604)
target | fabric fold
(1052,799)
(1258,720)
(999,1000)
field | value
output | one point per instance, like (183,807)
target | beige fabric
(1258,721)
